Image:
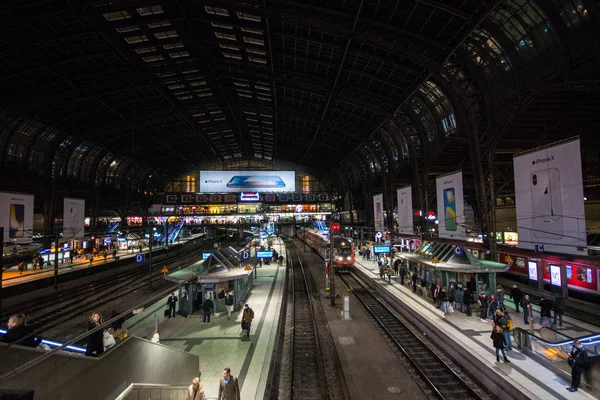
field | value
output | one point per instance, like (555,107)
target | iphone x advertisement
(73,218)
(378,212)
(16,216)
(405,211)
(450,202)
(242,181)
(549,198)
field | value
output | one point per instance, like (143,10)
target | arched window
(439,102)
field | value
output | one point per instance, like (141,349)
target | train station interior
(285,199)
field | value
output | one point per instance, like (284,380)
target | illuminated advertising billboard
(549,199)
(555,275)
(450,206)
(16,216)
(244,181)
(405,212)
(533,270)
(73,218)
(378,212)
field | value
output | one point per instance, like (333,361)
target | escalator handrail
(560,343)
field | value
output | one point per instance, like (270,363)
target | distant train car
(343,254)
(343,250)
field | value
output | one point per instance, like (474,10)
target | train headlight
(340,258)
(349,258)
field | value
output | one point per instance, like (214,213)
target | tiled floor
(473,335)
(219,344)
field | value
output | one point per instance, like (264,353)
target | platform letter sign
(73,218)
(16,216)
(450,206)
(549,198)
(140,258)
(378,212)
(405,213)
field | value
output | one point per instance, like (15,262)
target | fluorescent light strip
(55,344)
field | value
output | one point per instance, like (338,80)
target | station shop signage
(186,198)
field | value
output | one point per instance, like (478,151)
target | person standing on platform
(499,343)
(500,298)
(578,361)
(526,309)
(171,303)
(483,303)
(247,317)
(559,310)
(443,299)
(229,388)
(229,304)
(196,391)
(506,324)
(467,300)
(436,296)
(207,310)
(452,296)
(517,296)
(414,281)
(402,275)
(545,310)
(95,341)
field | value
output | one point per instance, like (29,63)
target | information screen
(264,254)
(381,249)
(533,270)
(206,254)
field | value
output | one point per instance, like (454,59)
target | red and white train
(343,248)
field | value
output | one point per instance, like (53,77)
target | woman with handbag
(578,361)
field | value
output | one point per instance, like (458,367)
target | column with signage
(558,280)
(536,274)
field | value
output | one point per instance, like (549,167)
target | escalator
(174,231)
(113,227)
(551,348)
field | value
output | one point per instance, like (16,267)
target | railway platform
(472,336)
(221,343)
(11,276)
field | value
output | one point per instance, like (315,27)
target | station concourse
(299,156)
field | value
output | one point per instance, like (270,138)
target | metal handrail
(408,357)
(106,324)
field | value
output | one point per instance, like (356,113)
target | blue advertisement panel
(247,181)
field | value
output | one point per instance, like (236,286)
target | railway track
(307,369)
(47,312)
(442,380)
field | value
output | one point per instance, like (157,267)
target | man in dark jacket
(171,302)
(545,310)
(414,281)
(452,296)
(467,301)
(517,296)
(228,304)
(559,310)
(578,361)
(207,310)
(17,331)
(527,310)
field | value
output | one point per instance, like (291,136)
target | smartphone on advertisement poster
(546,204)
(450,209)
(16,227)
(256,182)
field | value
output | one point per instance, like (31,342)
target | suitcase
(167,313)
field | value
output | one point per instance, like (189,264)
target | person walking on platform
(402,275)
(171,303)
(247,317)
(559,310)
(229,388)
(467,300)
(526,309)
(493,307)
(545,310)
(517,296)
(95,341)
(443,299)
(578,361)
(207,310)
(414,281)
(437,291)
(506,324)
(483,303)
(228,304)
(196,391)
(500,297)
(499,343)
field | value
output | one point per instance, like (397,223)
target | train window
(520,262)
(547,268)
(569,272)
(584,275)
